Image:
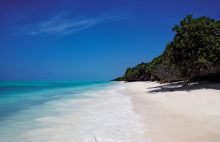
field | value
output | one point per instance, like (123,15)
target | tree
(137,73)
(196,46)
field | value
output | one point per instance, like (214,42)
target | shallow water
(67,112)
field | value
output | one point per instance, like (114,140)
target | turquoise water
(65,111)
(16,96)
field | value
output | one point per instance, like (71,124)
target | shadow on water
(178,86)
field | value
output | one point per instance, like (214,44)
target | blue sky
(87,39)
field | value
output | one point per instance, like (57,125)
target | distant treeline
(193,54)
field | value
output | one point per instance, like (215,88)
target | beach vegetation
(193,54)
(196,46)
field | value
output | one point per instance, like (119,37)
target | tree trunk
(188,80)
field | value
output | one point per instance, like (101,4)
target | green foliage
(142,71)
(136,73)
(194,52)
(118,79)
(196,45)
(156,61)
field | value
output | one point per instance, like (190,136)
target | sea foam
(100,116)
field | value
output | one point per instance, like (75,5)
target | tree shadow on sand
(178,86)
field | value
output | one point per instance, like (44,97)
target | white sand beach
(120,112)
(177,115)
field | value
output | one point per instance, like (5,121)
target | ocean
(67,111)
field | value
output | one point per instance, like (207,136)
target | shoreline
(98,113)
(120,112)
(177,116)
